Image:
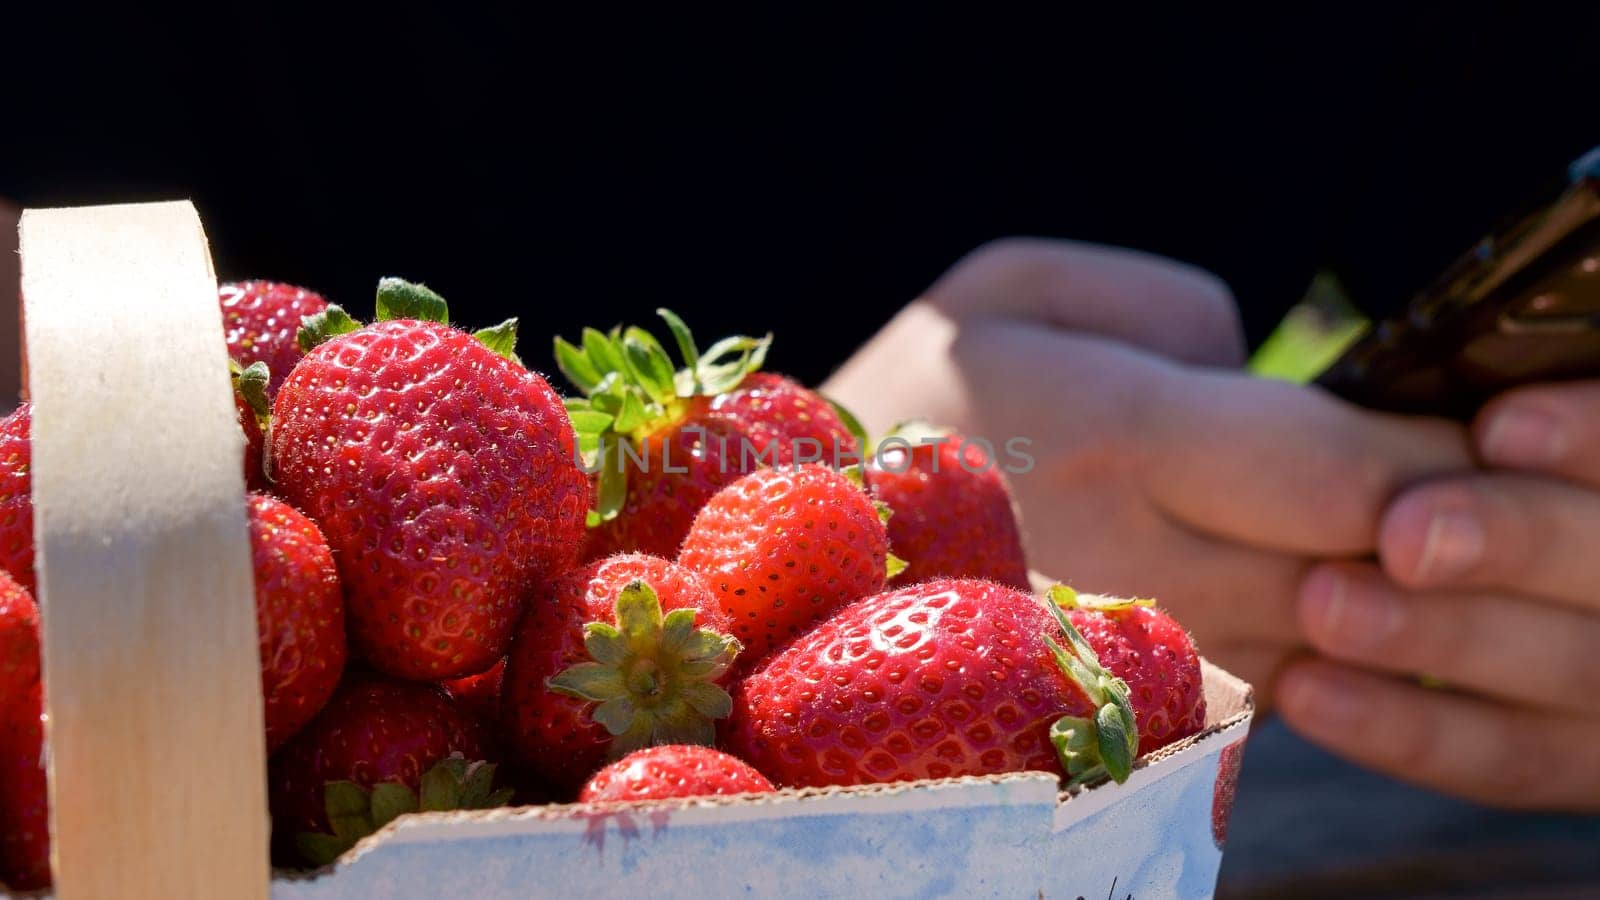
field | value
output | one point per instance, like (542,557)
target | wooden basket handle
(154,742)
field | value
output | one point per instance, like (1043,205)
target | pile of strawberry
(472,592)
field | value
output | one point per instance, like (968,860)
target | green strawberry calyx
(1106,744)
(355,812)
(1067,598)
(631,388)
(250,382)
(652,677)
(401,299)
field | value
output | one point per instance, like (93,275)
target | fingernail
(1524,437)
(1454,544)
(1354,617)
(1320,703)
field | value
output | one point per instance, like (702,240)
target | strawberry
(24,805)
(299,616)
(673,770)
(375,730)
(1150,651)
(627,652)
(938,679)
(661,442)
(24,802)
(479,694)
(250,396)
(16,497)
(784,548)
(261,320)
(953,514)
(442,472)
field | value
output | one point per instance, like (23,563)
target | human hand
(1489,582)
(1161,470)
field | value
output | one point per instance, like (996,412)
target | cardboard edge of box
(1230,708)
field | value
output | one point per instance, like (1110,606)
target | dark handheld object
(1523,306)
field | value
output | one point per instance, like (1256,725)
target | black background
(809,172)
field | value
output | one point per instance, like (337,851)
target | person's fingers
(1148,301)
(1552,428)
(1521,533)
(1514,648)
(1473,748)
(1283,466)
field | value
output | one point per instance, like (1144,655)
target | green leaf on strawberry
(251,384)
(401,299)
(501,338)
(324,326)
(1067,598)
(355,812)
(652,677)
(631,387)
(1107,745)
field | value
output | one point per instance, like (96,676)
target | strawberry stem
(1106,745)
(652,677)
(355,812)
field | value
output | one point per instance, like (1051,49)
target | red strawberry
(624,653)
(673,770)
(16,496)
(19,639)
(24,805)
(479,694)
(953,516)
(443,474)
(261,320)
(784,548)
(374,730)
(938,679)
(299,616)
(1150,651)
(250,396)
(661,442)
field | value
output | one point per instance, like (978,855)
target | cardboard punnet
(142,552)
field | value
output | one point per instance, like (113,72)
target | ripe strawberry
(19,639)
(784,548)
(938,679)
(1150,651)
(597,670)
(24,803)
(261,320)
(661,442)
(250,396)
(479,695)
(673,770)
(374,730)
(953,516)
(442,472)
(24,809)
(299,616)
(16,497)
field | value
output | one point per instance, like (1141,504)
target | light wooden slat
(152,682)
